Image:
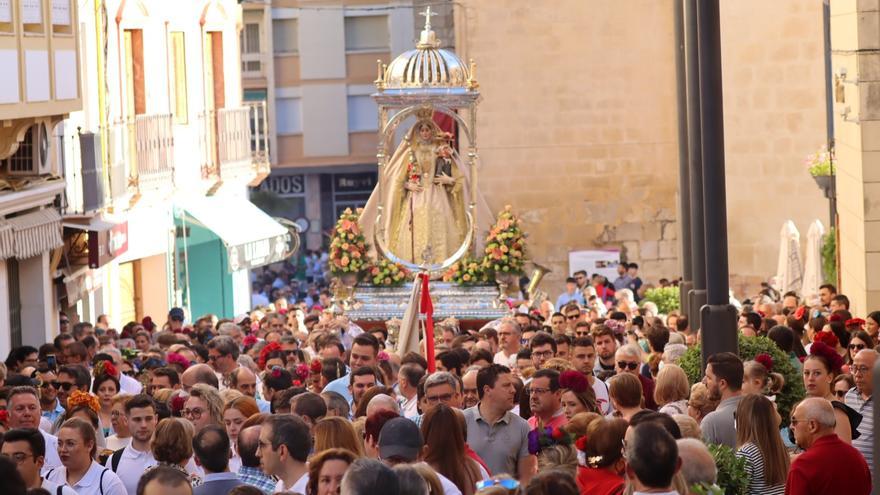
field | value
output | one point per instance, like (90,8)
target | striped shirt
(755,469)
(865,442)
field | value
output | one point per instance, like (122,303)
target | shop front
(218,241)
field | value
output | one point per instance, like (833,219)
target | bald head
(248,443)
(697,463)
(382,402)
(244,380)
(199,373)
(863,371)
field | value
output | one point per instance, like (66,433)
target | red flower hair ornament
(264,353)
(827,338)
(855,322)
(799,313)
(316,367)
(835,317)
(827,354)
(766,360)
(574,381)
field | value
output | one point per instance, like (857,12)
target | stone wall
(577,126)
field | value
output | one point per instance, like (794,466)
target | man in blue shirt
(571,294)
(364,352)
(623,279)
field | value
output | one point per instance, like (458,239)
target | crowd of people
(295,398)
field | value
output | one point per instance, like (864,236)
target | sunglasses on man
(630,365)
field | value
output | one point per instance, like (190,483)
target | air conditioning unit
(33,154)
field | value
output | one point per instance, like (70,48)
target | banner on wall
(601,261)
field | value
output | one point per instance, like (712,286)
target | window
(288,113)
(178,76)
(367,33)
(284,35)
(362,114)
(250,48)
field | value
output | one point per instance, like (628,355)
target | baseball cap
(400,437)
(176,314)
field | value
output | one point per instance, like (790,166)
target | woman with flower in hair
(577,394)
(601,465)
(758,377)
(85,406)
(105,386)
(820,367)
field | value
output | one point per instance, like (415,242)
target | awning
(252,237)
(28,235)
(105,240)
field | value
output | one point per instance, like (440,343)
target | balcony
(234,143)
(151,143)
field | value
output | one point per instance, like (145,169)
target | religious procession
(410,247)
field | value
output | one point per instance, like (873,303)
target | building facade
(315,63)
(159,165)
(578,126)
(40,87)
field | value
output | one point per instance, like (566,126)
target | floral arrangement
(348,246)
(820,163)
(387,273)
(541,438)
(505,245)
(80,398)
(467,271)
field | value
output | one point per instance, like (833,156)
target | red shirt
(598,481)
(829,466)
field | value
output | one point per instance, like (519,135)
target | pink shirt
(557,421)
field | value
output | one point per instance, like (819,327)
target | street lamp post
(684,210)
(718,315)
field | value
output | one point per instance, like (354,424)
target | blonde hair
(430,476)
(336,432)
(688,426)
(700,401)
(771,383)
(120,399)
(671,385)
(579,423)
(230,394)
(212,398)
(562,457)
(558,364)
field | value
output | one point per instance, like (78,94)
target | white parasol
(789,270)
(813,263)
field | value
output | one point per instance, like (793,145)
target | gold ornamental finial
(380,77)
(428,39)
(472,83)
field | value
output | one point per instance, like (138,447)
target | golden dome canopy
(427,66)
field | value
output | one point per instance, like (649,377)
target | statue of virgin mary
(425,193)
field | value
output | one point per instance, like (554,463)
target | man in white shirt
(509,335)
(131,462)
(24,412)
(285,444)
(26,447)
(583,358)
(408,378)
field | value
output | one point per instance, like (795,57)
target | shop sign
(361,182)
(257,253)
(285,186)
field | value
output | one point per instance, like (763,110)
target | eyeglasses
(56,385)
(627,365)
(194,413)
(66,386)
(840,393)
(538,390)
(438,398)
(18,457)
(542,354)
(858,347)
(507,483)
(860,369)
(572,317)
(795,421)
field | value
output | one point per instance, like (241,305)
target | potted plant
(821,167)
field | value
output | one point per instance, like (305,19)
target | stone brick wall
(577,126)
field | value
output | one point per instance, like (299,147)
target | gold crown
(425,113)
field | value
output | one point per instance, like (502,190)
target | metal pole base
(719,330)
(697,298)
(684,289)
